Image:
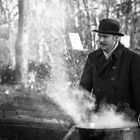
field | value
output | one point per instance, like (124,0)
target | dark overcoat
(115,80)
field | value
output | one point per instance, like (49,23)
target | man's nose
(101,39)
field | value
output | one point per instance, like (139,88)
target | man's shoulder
(131,56)
(131,52)
(95,53)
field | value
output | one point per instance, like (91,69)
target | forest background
(29,29)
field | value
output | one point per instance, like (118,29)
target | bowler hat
(109,26)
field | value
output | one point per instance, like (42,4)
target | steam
(108,117)
(78,103)
(74,102)
(81,107)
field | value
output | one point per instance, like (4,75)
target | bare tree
(21,45)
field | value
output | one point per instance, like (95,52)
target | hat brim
(108,32)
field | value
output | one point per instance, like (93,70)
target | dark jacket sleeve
(135,82)
(86,78)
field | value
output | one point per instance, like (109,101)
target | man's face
(106,42)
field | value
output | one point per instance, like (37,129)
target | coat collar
(102,63)
(116,53)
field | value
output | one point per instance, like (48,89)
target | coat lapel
(100,59)
(106,63)
(102,63)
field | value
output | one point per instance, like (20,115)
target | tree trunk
(21,45)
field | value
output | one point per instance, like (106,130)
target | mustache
(102,43)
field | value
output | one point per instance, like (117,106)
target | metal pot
(130,133)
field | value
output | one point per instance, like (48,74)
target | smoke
(74,102)
(78,103)
(108,117)
(81,107)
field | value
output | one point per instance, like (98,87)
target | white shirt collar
(107,55)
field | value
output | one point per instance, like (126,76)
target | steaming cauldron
(130,133)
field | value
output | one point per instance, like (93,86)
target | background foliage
(79,16)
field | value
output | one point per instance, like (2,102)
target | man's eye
(104,36)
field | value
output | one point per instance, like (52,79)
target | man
(113,72)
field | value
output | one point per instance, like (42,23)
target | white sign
(125,40)
(75,41)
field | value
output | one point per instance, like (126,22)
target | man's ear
(116,38)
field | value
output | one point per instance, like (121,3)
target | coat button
(114,67)
(112,78)
(112,91)
(97,89)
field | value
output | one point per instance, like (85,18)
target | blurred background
(30,29)
(43,48)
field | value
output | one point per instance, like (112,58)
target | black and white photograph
(69,69)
